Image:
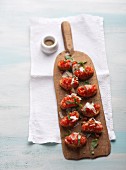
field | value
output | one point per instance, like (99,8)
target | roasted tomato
(82,72)
(70,101)
(90,109)
(75,140)
(68,83)
(87,90)
(65,65)
(92,126)
(70,120)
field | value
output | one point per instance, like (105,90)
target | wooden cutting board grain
(104,147)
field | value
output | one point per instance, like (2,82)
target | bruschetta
(81,71)
(70,101)
(90,109)
(70,120)
(68,83)
(64,65)
(75,140)
(92,126)
(87,90)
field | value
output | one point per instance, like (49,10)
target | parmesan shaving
(73,118)
(88,86)
(81,69)
(89,106)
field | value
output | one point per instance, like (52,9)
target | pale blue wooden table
(15,152)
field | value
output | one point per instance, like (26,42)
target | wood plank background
(15,152)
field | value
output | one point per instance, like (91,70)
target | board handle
(67,37)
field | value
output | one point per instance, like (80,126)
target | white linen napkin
(88,36)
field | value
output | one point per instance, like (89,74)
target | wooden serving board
(103,148)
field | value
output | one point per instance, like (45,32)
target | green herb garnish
(80,105)
(69,102)
(86,82)
(82,63)
(68,117)
(68,133)
(75,102)
(67,57)
(94,144)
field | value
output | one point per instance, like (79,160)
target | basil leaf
(67,57)
(94,144)
(75,100)
(68,117)
(68,133)
(82,63)
(86,82)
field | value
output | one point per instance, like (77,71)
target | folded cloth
(88,36)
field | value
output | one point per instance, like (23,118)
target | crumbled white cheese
(81,69)
(98,122)
(89,106)
(73,118)
(88,86)
(72,82)
(67,53)
(73,95)
(73,136)
(79,136)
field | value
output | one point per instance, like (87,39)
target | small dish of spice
(49,44)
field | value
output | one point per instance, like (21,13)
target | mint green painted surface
(15,152)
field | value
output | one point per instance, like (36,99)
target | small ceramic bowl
(49,44)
